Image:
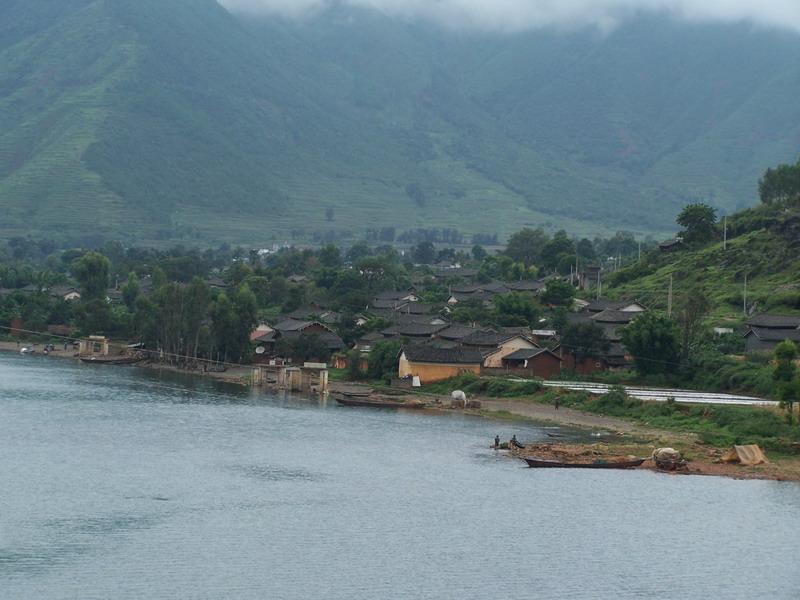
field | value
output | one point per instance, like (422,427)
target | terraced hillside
(154,120)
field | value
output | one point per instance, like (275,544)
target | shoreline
(625,437)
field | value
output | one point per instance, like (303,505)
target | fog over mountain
(519,15)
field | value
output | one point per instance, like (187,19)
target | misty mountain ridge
(167,120)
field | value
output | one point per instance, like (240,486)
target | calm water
(119,483)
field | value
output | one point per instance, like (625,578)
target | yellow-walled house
(493,358)
(433,364)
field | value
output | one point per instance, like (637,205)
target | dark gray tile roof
(392,304)
(614,316)
(432,354)
(487,338)
(418,329)
(525,286)
(774,334)
(456,332)
(776,321)
(528,353)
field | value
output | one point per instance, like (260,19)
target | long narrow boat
(112,360)
(373,403)
(541,463)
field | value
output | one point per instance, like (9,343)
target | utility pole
(640,251)
(669,298)
(599,285)
(725,232)
(744,304)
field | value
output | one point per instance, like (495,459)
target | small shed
(535,362)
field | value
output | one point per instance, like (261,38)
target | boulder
(668,459)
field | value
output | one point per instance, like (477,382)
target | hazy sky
(516,15)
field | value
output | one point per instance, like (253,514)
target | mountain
(151,120)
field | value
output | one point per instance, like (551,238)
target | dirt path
(574,418)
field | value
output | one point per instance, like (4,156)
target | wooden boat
(541,463)
(373,403)
(555,435)
(112,360)
(356,393)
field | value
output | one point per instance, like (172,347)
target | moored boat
(366,401)
(112,360)
(542,463)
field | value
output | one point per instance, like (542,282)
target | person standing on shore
(496,442)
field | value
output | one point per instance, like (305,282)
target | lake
(119,482)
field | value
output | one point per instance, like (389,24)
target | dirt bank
(628,437)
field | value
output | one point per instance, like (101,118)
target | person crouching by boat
(514,443)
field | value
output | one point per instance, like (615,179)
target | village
(605,328)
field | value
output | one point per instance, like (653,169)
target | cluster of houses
(436,348)
(437,351)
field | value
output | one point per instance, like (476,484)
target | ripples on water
(120,483)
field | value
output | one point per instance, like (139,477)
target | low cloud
(520,15)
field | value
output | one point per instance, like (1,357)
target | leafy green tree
(470,311)
(278,290)
(780,184)
(232,320)
(295,298)
(383,360)
(515,309)
(478,252)
(92,272)
(354,372)
(424,253)
(699,222)
(260,286)
(145,320)
(559,319)
(585,340)
(557,248)
(195,311)
(130,291)
(655,343)
(330,256)
(785,375)
(558,293)
(238,274)
(159,277)
(694,306)
(94,316)
(526,246)
(358,251)
(585,249)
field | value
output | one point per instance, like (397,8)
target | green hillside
(764,247)
(154,120)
